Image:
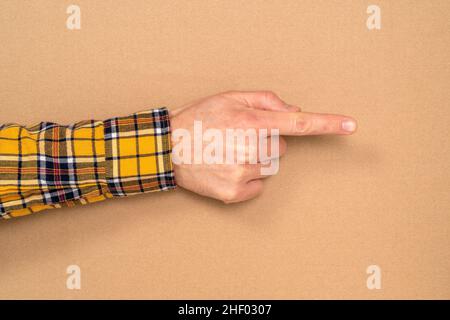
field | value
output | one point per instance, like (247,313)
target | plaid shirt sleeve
(52,166)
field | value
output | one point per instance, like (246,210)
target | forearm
(51,166)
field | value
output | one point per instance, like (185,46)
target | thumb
(263,100)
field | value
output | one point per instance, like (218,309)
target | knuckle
(229,93)
(269,95)
(259,188)
(282,146)
(238,173)
(252,154)
(247,119)
(327,127)
(302,125)
(230,195)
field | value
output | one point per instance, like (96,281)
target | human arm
(51,166)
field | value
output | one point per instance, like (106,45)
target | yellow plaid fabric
(51,166)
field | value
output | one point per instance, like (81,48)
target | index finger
(306,123)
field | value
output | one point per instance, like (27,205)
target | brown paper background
(338,205)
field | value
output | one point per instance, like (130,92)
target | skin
(232,183)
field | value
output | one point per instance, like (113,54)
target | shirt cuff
(138,153)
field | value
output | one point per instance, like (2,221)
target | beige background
(338,205)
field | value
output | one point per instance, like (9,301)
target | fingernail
(348,125)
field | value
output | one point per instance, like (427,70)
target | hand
(235,182)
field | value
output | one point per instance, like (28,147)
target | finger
(249,191)
(305,123)
(272,147)
(251,172)
(264,150)
(257,171)
(263,100)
